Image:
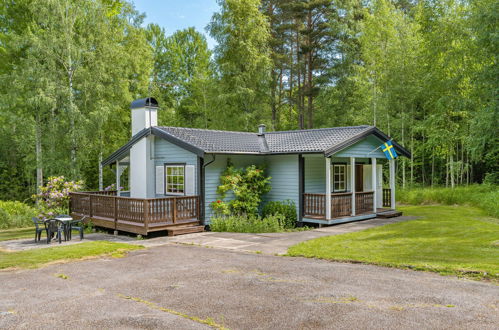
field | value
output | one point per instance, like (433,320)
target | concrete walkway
(276,243)
(268,243)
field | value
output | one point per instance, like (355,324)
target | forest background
(425,72)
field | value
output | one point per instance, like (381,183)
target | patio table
(66,220)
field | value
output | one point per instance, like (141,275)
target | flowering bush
(112,187)
(53,198)
(248,186)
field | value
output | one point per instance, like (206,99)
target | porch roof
(201,141)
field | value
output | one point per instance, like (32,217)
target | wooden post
(90,205)
(198,206)
(115,213)
(118,183)
(352,182)
(174,209)
(391,163)
(373,183)
(146,215)
(328,188)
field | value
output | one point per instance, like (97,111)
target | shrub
(54,196)
(481,196)
(248,224)
(15,214)
(286,208)
(248,186)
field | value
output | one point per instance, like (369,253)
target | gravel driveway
(190,287)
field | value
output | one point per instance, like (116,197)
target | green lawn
(447,239)
(38,257)
(9,234)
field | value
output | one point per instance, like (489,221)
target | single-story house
(332,175)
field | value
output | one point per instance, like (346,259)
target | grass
(38,257)
(17,233)
(457,240)
(484,196)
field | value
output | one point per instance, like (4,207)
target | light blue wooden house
(332,175)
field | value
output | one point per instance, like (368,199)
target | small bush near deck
(15,215)
(286,208)
(482,196)
(251,224)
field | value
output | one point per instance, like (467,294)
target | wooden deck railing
(364,202)
(139,215)
(387,197)
(341,205)
(314,205)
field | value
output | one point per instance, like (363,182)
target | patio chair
(38,229)
(78,226)
(54,226)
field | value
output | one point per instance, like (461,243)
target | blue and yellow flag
(389,150)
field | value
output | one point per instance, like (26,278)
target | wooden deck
(135,215)
(314,205)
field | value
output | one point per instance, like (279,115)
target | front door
(359,177)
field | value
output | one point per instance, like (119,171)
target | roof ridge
(318,129)
(205,129)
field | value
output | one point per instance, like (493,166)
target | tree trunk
(39,155)
(452,170)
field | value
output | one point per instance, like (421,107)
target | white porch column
(391,163)
(328,188)
(101,184)
(352,182)
(118,177)
(373,183)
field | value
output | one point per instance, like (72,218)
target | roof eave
(122,151)
(373,130)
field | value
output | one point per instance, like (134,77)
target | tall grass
(482,196)
(15,215)
(245,224)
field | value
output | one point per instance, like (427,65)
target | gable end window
(339,177)
(175,179)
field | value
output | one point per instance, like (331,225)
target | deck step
(184,230)
(389,214)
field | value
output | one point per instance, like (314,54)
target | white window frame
(170,184)
(339,177)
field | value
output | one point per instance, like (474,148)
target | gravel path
(191,287)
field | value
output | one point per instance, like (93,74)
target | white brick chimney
(144,115)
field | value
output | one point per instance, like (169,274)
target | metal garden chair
(38,228)
(77,225)
(54,226)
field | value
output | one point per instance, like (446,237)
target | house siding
(363,149)
(285,178)
(167,152)
(212,177)
(315,174)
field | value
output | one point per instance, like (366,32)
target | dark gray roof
(201,141)
(312,140)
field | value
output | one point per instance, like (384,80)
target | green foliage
(286,208)
(16,215)
(482,196)
(453,240)
(248,224)
(248,185)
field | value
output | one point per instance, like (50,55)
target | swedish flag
(389,150)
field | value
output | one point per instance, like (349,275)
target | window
(175,175)
(339,177)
